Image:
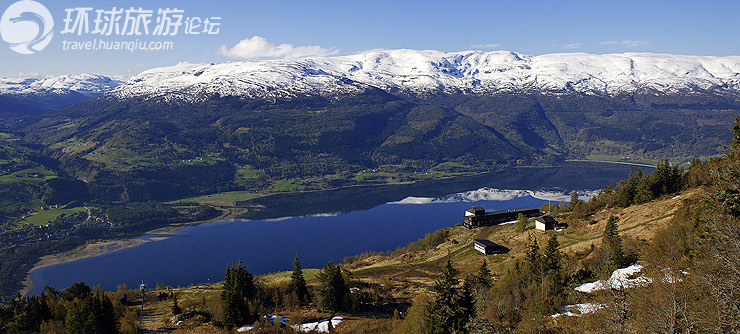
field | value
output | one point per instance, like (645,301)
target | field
(221,200)
(42,217)
(36,173)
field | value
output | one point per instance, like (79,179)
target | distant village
(61,228)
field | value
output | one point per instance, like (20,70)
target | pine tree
(623,193)
(644,190)
(298,282)
(735,143)
(452,308)
(551,256)
(521,223)
(93,314)
(533,254)
(612,242)
(238,290)
(77,290)
(105,316)
(175,306)
(333,289)
(573,200)
(483,278)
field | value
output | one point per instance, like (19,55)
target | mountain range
(200,128)
(29,95)
(417,72)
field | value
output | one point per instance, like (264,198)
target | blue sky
(347,27)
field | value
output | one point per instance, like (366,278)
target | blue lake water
(200,253)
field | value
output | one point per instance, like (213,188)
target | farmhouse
(477,216)
(546,223)
(488,247)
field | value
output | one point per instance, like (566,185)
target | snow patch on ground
(578,310)
(319,326)
(620,279)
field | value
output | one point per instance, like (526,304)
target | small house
(545,223)
(488,247)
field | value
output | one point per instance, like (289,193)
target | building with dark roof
(477,216)
(488,247)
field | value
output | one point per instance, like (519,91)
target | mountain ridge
(424,72)
(87,84)
(23,96)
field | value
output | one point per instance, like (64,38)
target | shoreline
(97,248)
(82,252)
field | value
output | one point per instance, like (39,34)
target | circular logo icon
(27,26)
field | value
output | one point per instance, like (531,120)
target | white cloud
(260,47)
(627,43)
(572,46)
(25,75)
(486,46)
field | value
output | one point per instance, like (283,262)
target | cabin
(477,216)
(547,223)
(488,247)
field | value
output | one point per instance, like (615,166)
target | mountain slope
(25,96)
(428,72)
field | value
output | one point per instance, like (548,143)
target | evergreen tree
(452,309)
(551,256)
(298,283)
(175,306)
(333,289)
(612,242)
(644,190)
(94,314)
(735,143)
(626,191)
(533,254)
(521,223)
(238,290)
(483,278)
(28,313)
(77,290)
(105,316)
(78,320)
(573,200)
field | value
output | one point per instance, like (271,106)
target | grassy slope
(411,273)
(45,216)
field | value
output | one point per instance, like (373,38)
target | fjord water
(198,254)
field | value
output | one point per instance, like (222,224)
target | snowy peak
(423,72)
(87,84)
(491,194)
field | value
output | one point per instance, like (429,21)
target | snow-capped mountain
(421,72)
(87,84)
(491,194)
